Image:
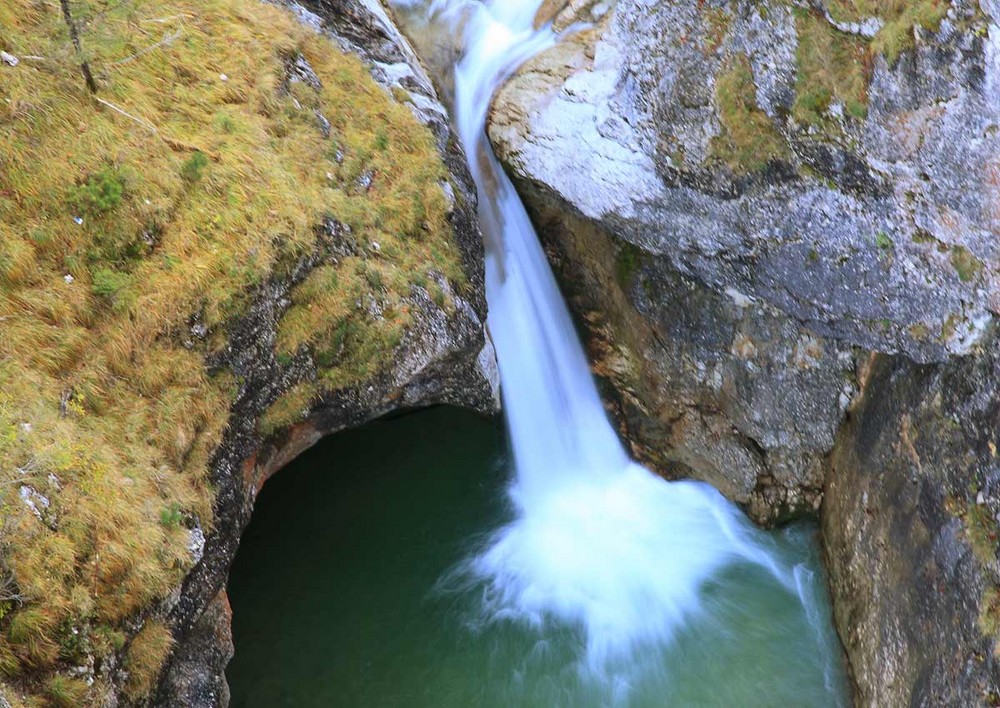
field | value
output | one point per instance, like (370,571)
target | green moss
(747,141)
(989,613)
(965,264)
(883,241)
(981,530)
(830,67)
(627,262)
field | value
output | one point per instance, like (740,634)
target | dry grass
(145,656)
(899,17)
(106,407)
(831,67)
(748,140)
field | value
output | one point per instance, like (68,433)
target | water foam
(597,541)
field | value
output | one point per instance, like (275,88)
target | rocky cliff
(743,202)
(259,231)
(814,184)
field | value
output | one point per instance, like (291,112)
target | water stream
(602,583)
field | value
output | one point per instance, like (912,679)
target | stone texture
(910,529)
(755,287)
(813,329)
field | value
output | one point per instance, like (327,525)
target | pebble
(9,59)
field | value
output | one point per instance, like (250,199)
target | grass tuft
(748,141)
(832,67)
(145,658)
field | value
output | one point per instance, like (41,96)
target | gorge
(774,224)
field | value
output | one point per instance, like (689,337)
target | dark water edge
(336,596)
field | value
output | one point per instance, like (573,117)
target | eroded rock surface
(759,217)
(910,528)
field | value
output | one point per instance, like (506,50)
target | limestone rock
(871,232)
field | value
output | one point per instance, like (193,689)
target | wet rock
(912,552)
(868,233)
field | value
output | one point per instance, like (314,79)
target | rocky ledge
(777,225)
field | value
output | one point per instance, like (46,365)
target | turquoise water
(342,596)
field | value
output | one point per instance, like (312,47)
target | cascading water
(598,542)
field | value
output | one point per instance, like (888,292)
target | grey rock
(912,555)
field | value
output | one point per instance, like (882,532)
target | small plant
(109,284)
(100,193)
(883,241)
(145,658)
(66,691)
(171,516)
(193,167)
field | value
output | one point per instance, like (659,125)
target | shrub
(193,167)
(100,193)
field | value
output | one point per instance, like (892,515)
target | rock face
(745,202)
(444,357)
(910,527)
(752,217)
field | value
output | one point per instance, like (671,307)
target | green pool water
(338,597)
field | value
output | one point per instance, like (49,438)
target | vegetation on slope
(134,224)
(833,68)
(899,18)
(748,140)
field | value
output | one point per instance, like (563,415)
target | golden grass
(748,140)
(145,657)
(831,67)
(106,408)
(899,18)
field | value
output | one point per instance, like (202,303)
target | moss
(966,265)
(717,23)
(883,241)
(981,530)
(183,220)
(748,140)
(989,613)
(627,262)
(830,67)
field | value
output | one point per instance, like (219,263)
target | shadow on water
(337,597)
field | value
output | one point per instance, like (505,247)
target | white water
(598,542)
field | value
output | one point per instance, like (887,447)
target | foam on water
(597,542)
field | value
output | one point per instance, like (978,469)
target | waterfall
(598,542)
